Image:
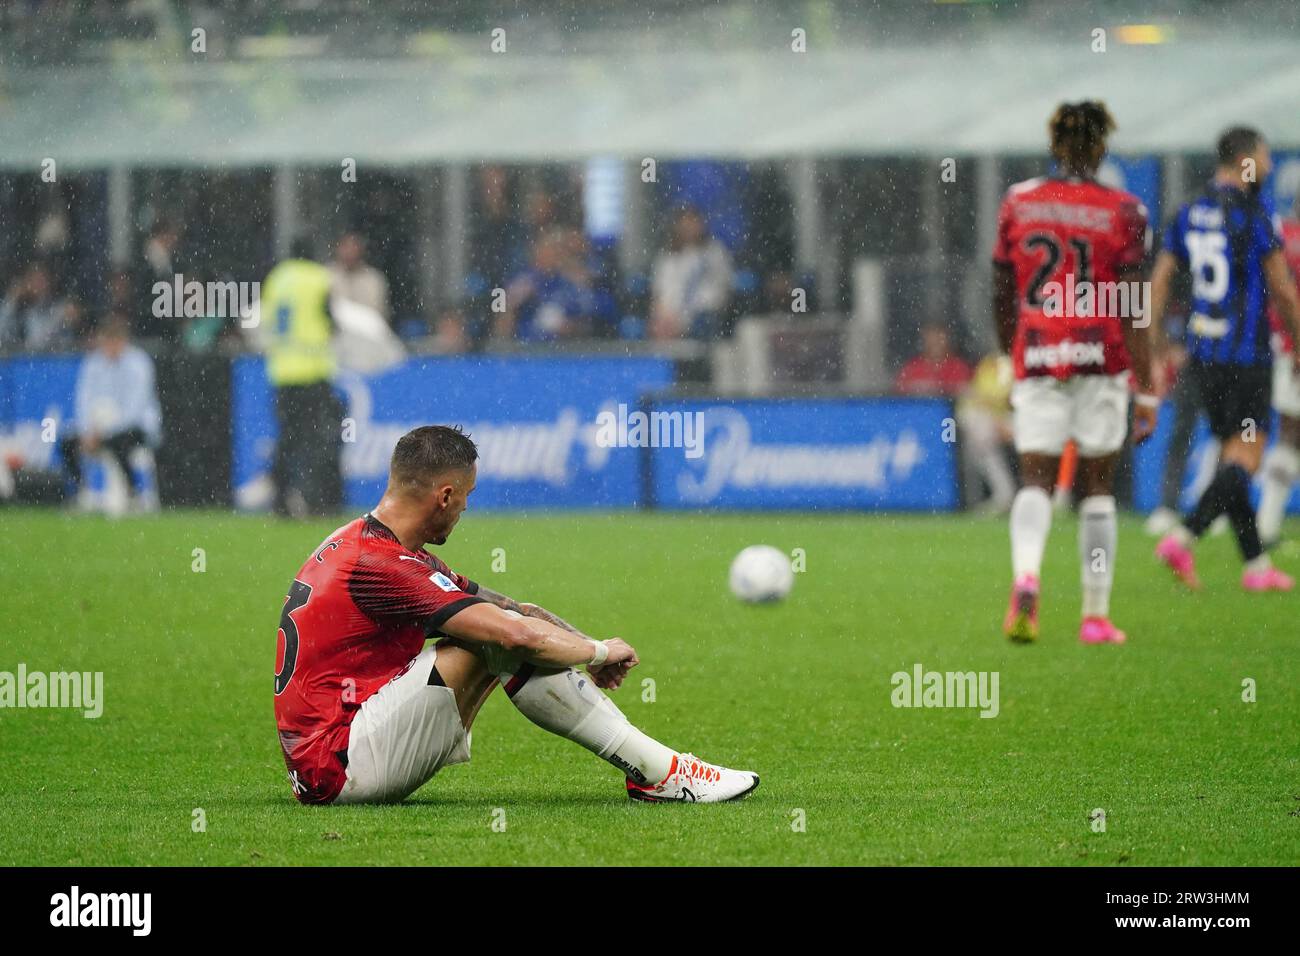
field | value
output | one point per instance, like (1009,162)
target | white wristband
(600,654)
(1148,401)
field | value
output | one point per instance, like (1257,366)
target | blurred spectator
(984,413)
(540,217)
(32,317)
(203,333)
(600,259)
(552,299)
(77,320)
(161,264)
(355,279)
(691,281)
(936,371)
(779,294)
(121,292)
(300,364)
(53,234)
(451,334)
(116,407)
(497,232)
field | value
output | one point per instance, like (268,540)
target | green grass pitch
(1155,733)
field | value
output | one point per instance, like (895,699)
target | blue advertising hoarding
(538,425)
(833,453)
(38,408)
(534,420)
(34,391)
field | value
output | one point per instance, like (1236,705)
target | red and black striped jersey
(1069,242)
(357,614)
(1290,234)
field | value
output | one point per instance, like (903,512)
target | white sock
(1281,467)
(1262,563)
(569,705)
(1098,534)
(1031,519)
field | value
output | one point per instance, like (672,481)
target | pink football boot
(1178,558)
(1270,579)
(1021,622)
(1099,630)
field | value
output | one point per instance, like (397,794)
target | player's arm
(607,676)
(1171,257)
(1162,280)
(1006,305)
(1138,338)
(397,588)
(528,610)
(1282,289)
(541,642)
(1005,311)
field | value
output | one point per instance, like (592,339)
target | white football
(761,573)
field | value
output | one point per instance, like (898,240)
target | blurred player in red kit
(1069,305)
(368,714)
(1281,465)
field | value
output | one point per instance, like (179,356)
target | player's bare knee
(1096,476)
(458,664)
(1038,471)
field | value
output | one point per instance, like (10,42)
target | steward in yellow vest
(298,331)
(296,323)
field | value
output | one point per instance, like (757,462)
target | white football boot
(691,780)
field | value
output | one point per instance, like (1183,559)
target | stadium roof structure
(943,100)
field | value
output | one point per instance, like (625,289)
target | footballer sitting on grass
(368,714)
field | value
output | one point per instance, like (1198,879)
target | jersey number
(1207,253)
(1052,249)
(299,595)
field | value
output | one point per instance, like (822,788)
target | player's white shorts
(402,735)
(1286,386)
(1091,409)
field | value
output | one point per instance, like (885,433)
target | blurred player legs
(1281,466)
(983,454)
(1182,397)
(307,473)
(1090,412)
(984,414)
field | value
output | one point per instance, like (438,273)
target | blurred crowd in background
(533,274)
(721,248)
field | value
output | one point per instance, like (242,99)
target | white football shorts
(1091,409)
(403,735)
(1286,386)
